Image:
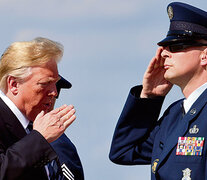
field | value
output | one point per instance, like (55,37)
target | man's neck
(188,89)
(190,84)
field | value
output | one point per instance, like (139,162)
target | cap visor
(169,40)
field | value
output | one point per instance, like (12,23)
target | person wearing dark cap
(175,144)
(68,156)
(62,83)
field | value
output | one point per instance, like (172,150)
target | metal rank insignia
(193,130)
(190,146)
(186,174)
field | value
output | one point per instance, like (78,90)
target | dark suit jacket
(140,139)
(69,159)
(22,156)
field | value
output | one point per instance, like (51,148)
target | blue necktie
(51,170)
(29,127)
(52,166)
(54,170)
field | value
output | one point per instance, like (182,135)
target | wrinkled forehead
(49,73)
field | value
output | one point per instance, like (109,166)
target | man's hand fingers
(41,114)
(68,115)
(69,121)
(64,112)
(53,124)
(57,110)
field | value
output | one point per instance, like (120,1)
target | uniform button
(193,111)
(161,145)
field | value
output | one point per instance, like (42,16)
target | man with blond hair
(28,77)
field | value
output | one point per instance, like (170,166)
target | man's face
(38,92)
(182,66)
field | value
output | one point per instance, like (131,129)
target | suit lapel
(11,121)
(17,132)
(182,128)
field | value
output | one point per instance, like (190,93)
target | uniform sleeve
(134,133)
(32,151)
(69,158)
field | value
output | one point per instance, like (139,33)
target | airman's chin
(171,79)
(167,76)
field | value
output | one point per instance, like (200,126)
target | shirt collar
(22,119)
(187,103)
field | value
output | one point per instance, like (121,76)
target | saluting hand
(154,83)
(53,124)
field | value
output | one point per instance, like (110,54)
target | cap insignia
(170,12)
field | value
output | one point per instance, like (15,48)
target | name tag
(190,146)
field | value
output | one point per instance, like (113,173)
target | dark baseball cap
(62,83)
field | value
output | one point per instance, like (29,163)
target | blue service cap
(62,83)
(187,24)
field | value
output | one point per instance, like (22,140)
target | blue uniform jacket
(70,162)
(140,139)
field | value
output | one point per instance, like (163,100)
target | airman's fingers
(151,65)
(158,57)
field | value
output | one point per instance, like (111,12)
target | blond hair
(19,57)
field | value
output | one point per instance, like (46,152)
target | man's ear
(203,58)
(13,85)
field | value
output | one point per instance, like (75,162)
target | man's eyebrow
(58,79)
(50,79)
(55,79)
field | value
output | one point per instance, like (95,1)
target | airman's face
(181,66)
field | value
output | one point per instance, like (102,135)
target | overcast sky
(108,44)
